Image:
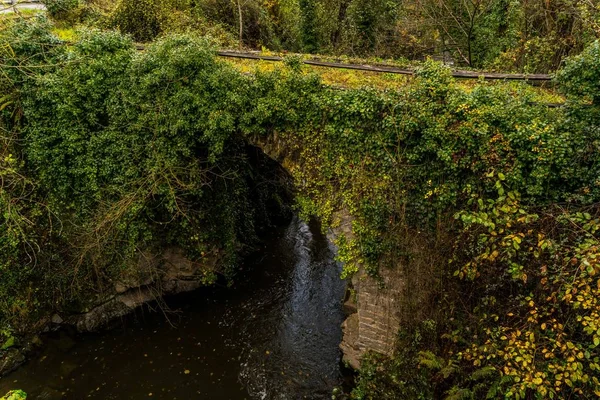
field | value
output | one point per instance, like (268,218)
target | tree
(308,10)
(457,21)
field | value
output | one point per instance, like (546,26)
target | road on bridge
(11,6)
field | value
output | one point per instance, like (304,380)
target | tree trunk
(335,38)
(241,22)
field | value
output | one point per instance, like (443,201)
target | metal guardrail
(12,6)
(20,2)
(382,68)
(533,78)
(394,70)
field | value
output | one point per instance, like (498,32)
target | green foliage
(15,395)
(60,8)
(141,19)
(101,169)
(29,51)
(147,19)
(498,34)
(29,47)
(383,378)
(536,317)
(580,76)
(523,323)
(115,153)
(294,63)
(394,157)
(309,25)
(8,343)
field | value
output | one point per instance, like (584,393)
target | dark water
(273,336)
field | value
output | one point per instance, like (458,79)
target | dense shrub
(494,34)
(118,152)
(15,395)
(93,177)
(60,8)
(533,303)
(141,19)
(418,156)
(580,76)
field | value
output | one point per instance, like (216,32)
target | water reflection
(298,356)
(275,335)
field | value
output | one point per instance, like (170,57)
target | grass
(342,78)
(352,79)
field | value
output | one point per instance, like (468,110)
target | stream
(274,335)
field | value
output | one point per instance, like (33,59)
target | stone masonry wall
(376,308)
(373,309)
(373,316)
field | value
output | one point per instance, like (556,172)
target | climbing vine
(99,170)
(112,153)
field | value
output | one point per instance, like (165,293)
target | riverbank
(274,333)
